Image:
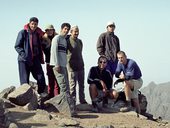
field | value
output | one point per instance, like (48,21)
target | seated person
(130,73)
(100,83)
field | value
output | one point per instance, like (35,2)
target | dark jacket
(74,54)
(22,45)
(95,75)
(108,45)
(46,46)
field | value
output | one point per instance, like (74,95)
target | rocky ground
(84,119)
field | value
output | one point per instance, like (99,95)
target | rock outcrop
(158,99)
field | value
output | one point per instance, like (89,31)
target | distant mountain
(158,97)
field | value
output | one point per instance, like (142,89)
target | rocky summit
(22,107)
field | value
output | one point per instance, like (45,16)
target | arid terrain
(85,119)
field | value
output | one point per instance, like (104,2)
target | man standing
(75,65)
(30,55)
(58,59)
(108,45)
(129,71)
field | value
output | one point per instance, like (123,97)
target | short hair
(102,56)
(65,25)
(121,52)
(35,19)
(74,27)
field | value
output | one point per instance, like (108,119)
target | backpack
(142,100)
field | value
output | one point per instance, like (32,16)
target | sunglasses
(111,26)
(102,62)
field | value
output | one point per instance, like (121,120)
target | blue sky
(143,28)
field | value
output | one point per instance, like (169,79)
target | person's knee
(92,87)
(113,94)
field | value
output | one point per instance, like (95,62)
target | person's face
(102,63)
(121,58)
(111,28)
(33,25)
(50,32)
(75,33)
(65,31)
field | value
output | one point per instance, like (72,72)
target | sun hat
(49,27)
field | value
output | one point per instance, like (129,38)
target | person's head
(122,58)
(65,27)
(110,26)
(33,23)
(74,31)
(49,29)
(102,62)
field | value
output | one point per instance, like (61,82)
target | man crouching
(100,84)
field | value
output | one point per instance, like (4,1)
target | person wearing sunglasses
(100,84)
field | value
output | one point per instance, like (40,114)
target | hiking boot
(105,103)
(95,107)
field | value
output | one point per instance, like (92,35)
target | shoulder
(93,68)
(103,34)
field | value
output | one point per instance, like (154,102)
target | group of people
(114,62)
(65,65)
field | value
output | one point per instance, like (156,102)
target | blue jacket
(131,70)
(22,46)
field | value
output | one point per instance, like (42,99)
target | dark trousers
(53,87)
(37,72)
(111,66)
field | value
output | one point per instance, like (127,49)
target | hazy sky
(143,28)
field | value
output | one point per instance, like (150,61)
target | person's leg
(137,85)
(128,86)
(62,79)
(80,78)
(51,81)
(72,85)
(113,94)
(24,72)
(38,74)
(93,91)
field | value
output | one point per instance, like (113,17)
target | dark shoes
(95,107)
(84,102)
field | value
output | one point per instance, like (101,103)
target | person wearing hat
(75,64)
(30,54)
(108,44)
(53,88)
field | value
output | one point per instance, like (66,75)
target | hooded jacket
(22,45)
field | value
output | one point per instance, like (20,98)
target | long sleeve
(100,45)
(19,45)
(54,52)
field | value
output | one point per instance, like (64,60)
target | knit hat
(110,23)
(49,27)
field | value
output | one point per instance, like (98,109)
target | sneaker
(126,109)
